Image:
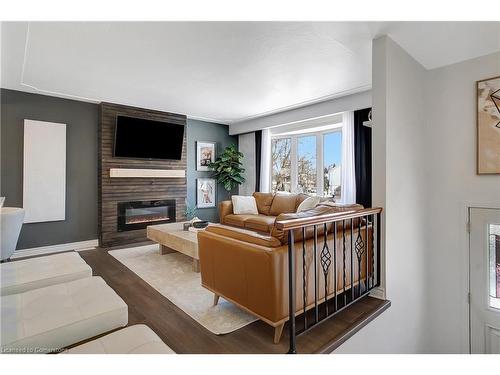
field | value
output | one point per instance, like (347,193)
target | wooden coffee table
(172,238)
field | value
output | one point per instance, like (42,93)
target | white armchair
(11,221)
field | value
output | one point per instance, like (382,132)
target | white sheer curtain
(348,182)
(265,165)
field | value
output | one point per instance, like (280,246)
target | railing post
(291,292)
(367,250)
(378,248)
(315,261)
(352,256)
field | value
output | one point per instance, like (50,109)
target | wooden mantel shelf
(146,173)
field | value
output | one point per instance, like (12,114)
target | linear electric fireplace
(139,214)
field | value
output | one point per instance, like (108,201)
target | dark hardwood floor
(185,335)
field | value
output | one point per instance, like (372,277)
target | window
(281,164)
(332,157)
(307,163)
(494,247)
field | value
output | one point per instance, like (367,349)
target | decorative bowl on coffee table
(200,224)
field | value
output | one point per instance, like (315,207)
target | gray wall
(205,131)
(81,159)
(81,174)
(246,144)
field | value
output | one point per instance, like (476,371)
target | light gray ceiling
(221,71)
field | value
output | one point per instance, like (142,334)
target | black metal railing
(341,251)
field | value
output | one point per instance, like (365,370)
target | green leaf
(227,168)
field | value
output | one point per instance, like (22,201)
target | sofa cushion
(260,223)
(244,205)
(136,339)
(244,235)
(236,220)
(48,319)
(283,204)
(23,275)
(264,202)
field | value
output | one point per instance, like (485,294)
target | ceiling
(220,71)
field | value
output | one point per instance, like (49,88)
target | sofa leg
(216,299)
(277,333)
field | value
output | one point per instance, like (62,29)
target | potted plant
(190,211)
(228,168)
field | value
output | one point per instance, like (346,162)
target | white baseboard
(76,246)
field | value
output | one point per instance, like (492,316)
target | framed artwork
(488,126)
(205,154)
(206,189)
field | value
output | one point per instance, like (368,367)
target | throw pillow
(308,203)
(243,205)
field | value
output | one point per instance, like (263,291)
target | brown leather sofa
(249,266)
(269,206)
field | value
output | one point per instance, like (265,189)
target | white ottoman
(51,318)
(136,339)
(23,275)
(11,221)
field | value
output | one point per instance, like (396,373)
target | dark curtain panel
(363,158)
(258,149)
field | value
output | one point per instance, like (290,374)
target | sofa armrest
(225,208)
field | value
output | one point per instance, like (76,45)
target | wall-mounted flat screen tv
(147,139)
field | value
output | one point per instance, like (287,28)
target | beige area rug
(173,277)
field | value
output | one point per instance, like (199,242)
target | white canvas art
(44,171)
(205,192)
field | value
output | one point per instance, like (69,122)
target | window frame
(294,158)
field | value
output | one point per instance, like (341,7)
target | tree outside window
(306,165)
(281,164)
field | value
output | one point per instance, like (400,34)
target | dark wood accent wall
(114,190)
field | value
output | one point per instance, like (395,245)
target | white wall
(425,155)
(246,145)
(342,104)
(400,187)
(453,184)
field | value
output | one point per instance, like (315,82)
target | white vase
(11,221)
